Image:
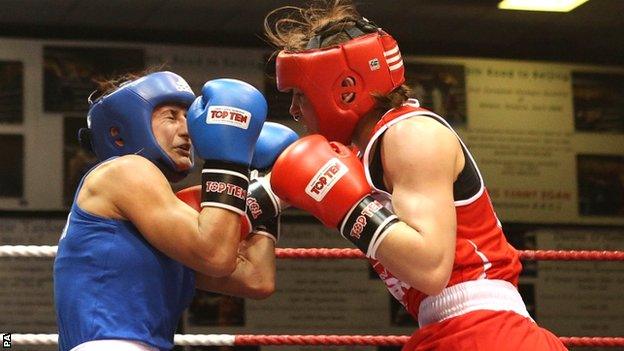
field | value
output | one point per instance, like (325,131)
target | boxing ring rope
(529,255)
(330,340)
(304,340)
(333,253)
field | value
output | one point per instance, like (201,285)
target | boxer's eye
(169,114)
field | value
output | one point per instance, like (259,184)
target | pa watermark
(6,340)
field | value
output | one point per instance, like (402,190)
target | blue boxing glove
(263,207)
(224,124)
(273,139)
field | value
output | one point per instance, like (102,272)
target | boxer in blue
(132,253)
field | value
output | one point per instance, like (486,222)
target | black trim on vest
(466,186)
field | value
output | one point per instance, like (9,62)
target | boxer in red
(414,201)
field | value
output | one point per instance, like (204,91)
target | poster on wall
(519,131)
(440,88)
(580,298)
(12,161)
(198,65)
(69,73)
(571,297)
(528,124)
(598,102)
(600,185)
(11,92)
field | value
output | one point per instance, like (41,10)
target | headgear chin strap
(129,111)
(339,80)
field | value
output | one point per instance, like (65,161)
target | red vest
(481,250)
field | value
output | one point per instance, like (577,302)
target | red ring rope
(532,255)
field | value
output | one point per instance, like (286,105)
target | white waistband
(459,299)
(117,345)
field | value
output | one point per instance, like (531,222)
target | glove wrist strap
(263,209)
(225,185)
(367,224)
(271,229)
(262,205)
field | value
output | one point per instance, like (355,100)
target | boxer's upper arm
(142,194)
(420,163)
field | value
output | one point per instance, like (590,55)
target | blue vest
(110,283)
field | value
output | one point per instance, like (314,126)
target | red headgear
(338,80)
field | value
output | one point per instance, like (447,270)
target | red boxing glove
(192,197)
(328,180)
(325,179)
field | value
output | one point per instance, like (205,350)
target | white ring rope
(34,339)
(204,339)
(27,251)
(179,339)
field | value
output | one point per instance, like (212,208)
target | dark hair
(393,99)
(292,28)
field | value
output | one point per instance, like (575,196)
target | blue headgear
(129,110)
